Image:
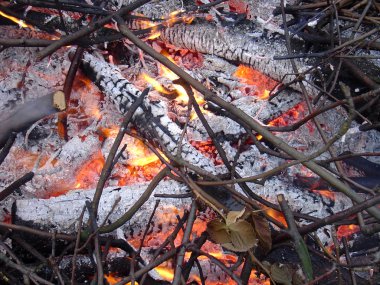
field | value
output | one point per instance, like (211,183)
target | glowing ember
(347,230)
(112,279)
(326,193)
(276,215)
(289,117)
(262,83)
(89,173)
(208,149)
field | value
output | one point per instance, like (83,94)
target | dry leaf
(262,230)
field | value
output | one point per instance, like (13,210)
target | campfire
(189,142)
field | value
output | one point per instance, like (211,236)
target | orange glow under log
(250,76)
(326,193)
(90,172)
(347,230)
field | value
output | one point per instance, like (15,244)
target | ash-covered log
(61,213)
(251,46)
(151,119)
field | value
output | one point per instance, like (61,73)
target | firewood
(256,49)
(61,213)
(24,115)
(151,118)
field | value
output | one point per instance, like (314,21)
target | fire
(326,193)
(165,273)
(276,215)
(19,22)
(156,85)
(263,84)
(89,172)
(112,279)
(347,230)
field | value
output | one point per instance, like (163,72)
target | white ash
(36,78)
(62,213)
(154,9)
(62,166)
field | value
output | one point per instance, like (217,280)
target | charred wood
(151,119)
(252,47)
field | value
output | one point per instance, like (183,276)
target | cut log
(150,119)
(24,115)
(61,213)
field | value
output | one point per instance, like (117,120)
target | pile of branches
(245,232)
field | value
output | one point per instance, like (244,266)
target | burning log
(150,119)
(61,213)
(58,175)
(256,49)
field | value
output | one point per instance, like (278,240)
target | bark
(61,213)
(255,48)
(151,118)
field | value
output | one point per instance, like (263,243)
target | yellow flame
(19,22)
(166,273)
(156,85)
(154,35)
(142,161)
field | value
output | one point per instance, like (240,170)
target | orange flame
(276,215)
(347,230)
(326,193)
(250,76)
(156,85)
(112,279)
(89,172)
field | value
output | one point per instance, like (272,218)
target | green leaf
(304,256)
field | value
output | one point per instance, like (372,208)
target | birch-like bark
(151,119)
(254,48)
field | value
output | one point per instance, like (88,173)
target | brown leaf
(262,230)
(242,236)
(233,216)
(217,230)
(281,273)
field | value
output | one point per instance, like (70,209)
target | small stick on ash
(106,171)
(89,29)
(7,147)
(299,243)
(186,237)
(16,185)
